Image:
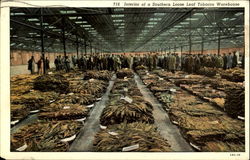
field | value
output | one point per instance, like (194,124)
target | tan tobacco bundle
(125,73)
(18,112)
(122,111)
(218,146)
(141,72)
(77,98)
(54,82)
(20,89)
(235,101)
(222,84)
(92,86)
(234,74)
(63,111)
(35,99)
(101,75)
(208,71)
(161,86)
(21,84)
(74,74)
(23,79)
(144,136)
(141,67)
(45,136)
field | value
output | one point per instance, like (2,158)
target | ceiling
(126,29)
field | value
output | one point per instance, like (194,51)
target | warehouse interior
(127,79)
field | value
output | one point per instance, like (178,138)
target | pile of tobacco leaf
(235,101)
(56,111)
(125,73)
(101,75)
(53,82)
(45,136)
(234,74)
(143,136)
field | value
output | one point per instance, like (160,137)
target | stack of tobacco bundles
(58,111)
(165,98)
(205,127)
(19,112)
(161,86)
(20,89)
(21,84)
(34,100)
(23,79)
(101,75)
(122,111)
(222,84)
(207,71)
(125,73)
(234,74)
(94,87)
(136,137)
(235,101)
(141,67)
(54,82)
(53,136)
(77,98)
(75,74)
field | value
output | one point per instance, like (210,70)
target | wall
(223,50)
(21,57)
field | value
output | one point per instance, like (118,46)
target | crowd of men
(171,61)
(190,63)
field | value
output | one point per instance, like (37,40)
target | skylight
(118,9)
(200,14)
(225,19)
(56,30)
(17,14)
(81,22)
(118,20)
(119,24)
(33,20)
(67,12)
(117,15)
(184,23)
(192,19)
(73,18)
(155,19)
(51,27)
(86,25)
(178,26)
(159,14)
(152,23)
(239,13)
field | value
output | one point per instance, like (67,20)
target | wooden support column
(190,38)
(218,43)
(77,47)
(64,39)
(85,47)
(42,41)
